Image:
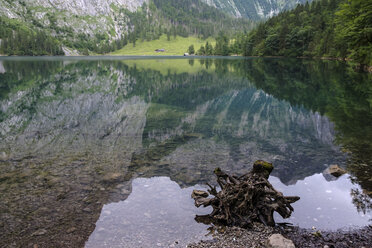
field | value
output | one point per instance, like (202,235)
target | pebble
(88,210)
(71,230)
(39,232)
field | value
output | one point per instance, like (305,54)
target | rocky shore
(234,237)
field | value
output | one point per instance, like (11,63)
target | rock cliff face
(254,9)
(73,17)
(90,7)
(76,7)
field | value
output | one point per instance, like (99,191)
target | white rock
(278,241)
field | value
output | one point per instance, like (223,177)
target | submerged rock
(3,156)
(333,172)
(278,241)
(112,177)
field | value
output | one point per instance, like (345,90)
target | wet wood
(245,199)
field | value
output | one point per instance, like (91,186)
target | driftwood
(245,199)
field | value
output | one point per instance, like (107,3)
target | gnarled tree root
(245,199)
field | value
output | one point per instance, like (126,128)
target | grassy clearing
(177,46)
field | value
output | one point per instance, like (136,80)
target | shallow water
(106,151)
(156,213)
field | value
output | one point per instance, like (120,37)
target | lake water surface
(105,152)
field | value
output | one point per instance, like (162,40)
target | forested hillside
(325,28)
(19,39)
(198,18)
(44,28)
(339,29)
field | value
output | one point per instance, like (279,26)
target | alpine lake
(105,151)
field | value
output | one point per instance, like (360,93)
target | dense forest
(224,45)
(329,28)
(324,28)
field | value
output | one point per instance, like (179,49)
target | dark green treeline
(324,28)
(332,28)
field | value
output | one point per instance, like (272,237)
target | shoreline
(235,237)
(365,68)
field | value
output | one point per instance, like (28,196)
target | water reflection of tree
(225,89)
(22,74)
(335,90)
(320,86)
(361,200)
(191,62)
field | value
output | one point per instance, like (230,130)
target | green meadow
(175,46)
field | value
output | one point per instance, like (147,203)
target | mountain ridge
(254,9)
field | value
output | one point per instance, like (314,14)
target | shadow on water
(74,134)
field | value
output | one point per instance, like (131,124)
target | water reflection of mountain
(330,88)
(65,146)
(243,126)
(74,134)
(91,105)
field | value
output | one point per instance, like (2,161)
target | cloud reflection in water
(157,212)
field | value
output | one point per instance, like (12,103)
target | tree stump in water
(245,199)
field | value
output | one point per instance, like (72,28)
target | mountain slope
(103,26)
(80,16)
(254,9)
